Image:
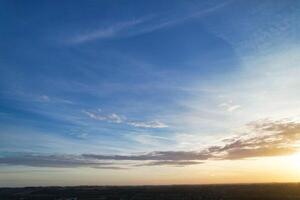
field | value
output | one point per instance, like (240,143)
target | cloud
(268,138)
(107,32)
(241,153)
(94,116)
(36,98)
(92,161)
(229,106)
(170,163)
(79,135)
(147,139)
(57,161)
(263,138)
(151,124)
(111,167)
(156,155)
(141,25)
(117,119)
(113,117)
(233,108)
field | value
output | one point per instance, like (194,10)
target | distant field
(193,192)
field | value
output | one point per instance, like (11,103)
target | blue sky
(155,81)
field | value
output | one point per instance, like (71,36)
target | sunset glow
(149,92)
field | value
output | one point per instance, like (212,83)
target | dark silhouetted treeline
(289,191)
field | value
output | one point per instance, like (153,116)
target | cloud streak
(107,32)
(117,119)
(56,161)
(229,106)
(150,124)
(262,139)
(141,25)
(170,163)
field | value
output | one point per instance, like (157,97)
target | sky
(124,92)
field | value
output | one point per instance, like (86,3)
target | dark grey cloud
(112,167)
(170,163)
(263,138)
(59,161)
(156,155)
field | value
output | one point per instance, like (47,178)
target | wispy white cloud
(108,32)
(151,124)
(148,139)
(117,119)
(230,106)
(141,25)
(36,97)
(113,117)
(81,135)
(49,99)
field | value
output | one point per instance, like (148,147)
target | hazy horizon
(149,92)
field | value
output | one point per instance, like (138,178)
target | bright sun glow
(295,161)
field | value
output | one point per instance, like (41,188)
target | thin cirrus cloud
(106,32)
(112,31)
(148,139)
(151,124)
(230,106)
(140,26)
(263,138)
(117,119)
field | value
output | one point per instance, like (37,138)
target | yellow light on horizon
(292,165)
(295,160)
